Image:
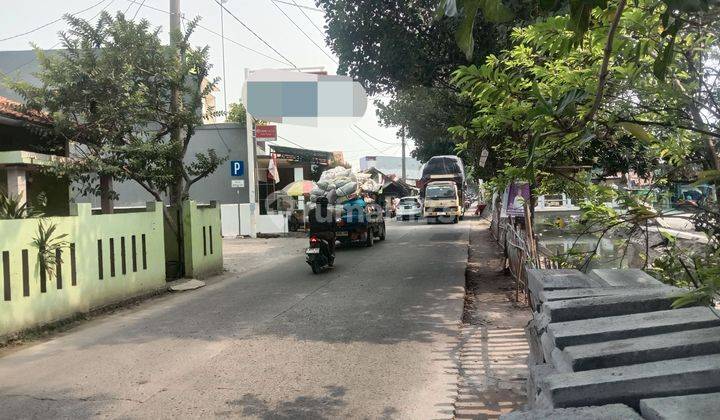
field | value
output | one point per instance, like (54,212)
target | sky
(264,17)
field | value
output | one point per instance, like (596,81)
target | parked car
(409,208)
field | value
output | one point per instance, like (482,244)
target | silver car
(409,208)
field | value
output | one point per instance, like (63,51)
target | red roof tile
(13,109)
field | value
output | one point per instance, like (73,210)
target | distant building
(392,165)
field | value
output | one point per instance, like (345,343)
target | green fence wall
(202,239)
(109,258)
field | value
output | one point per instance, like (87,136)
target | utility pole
(174,18)
(402,133)
(222,43)
(251,165)
(177,187)
(175,93)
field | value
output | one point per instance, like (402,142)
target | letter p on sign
(237,168)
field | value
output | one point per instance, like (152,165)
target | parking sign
(237,168)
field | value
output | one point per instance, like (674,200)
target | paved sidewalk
(493,349)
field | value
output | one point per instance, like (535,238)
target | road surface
(372,338)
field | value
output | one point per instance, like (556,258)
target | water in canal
(611,250)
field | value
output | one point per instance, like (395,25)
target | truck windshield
(440,191)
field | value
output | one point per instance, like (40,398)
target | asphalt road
(372,338)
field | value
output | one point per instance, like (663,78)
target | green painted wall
(94,287)
(203,240)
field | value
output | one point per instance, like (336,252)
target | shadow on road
(303,407)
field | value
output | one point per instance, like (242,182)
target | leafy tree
(110,94)
(544,98)
(237,114)
(403,49)
(617,86)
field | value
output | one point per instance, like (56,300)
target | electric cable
(205,28)
(254,33)
(303,32)
(375,138)
(308,18)
(54,21)
(138,10)
(314,9)
(365,141)
(60,42)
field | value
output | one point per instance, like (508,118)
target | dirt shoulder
(493,351)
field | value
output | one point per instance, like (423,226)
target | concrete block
(547,345)
(536,373)
(568,294)
(630,277)
(539,280)
(603,306)
(696,407)
(535,355)
(638,350)
(597,330)
(603,412)
(630,384)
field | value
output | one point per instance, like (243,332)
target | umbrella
(298,188)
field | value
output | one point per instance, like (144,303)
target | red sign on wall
(266,132)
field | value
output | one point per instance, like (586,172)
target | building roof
(14,110)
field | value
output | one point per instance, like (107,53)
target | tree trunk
(712,158)
(106,203)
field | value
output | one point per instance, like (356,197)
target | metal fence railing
(520,251)
(518,258)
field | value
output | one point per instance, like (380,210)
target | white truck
(442,187)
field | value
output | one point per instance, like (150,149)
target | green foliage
(401,48)
(693,268)
(425,113)
(537,99)
(237,114)
(110,93)
(13,208)
(492,10)
(48,244)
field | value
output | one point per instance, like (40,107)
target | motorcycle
(318,255)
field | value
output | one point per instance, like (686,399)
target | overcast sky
(262,16)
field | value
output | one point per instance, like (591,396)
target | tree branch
(604,72)
(668,124)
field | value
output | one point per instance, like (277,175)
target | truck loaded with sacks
(355,198)
(442,188)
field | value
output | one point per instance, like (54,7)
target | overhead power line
(365,141)
(60,42)
(254,33)
(211,31)
(138,9)
(50,23)
(303,32)
(308,18)
(293,143)
(375,138)
(314,9)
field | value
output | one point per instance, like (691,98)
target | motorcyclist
(322,224)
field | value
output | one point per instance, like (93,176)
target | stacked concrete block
(612,337)
(696,407)
(604,412)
